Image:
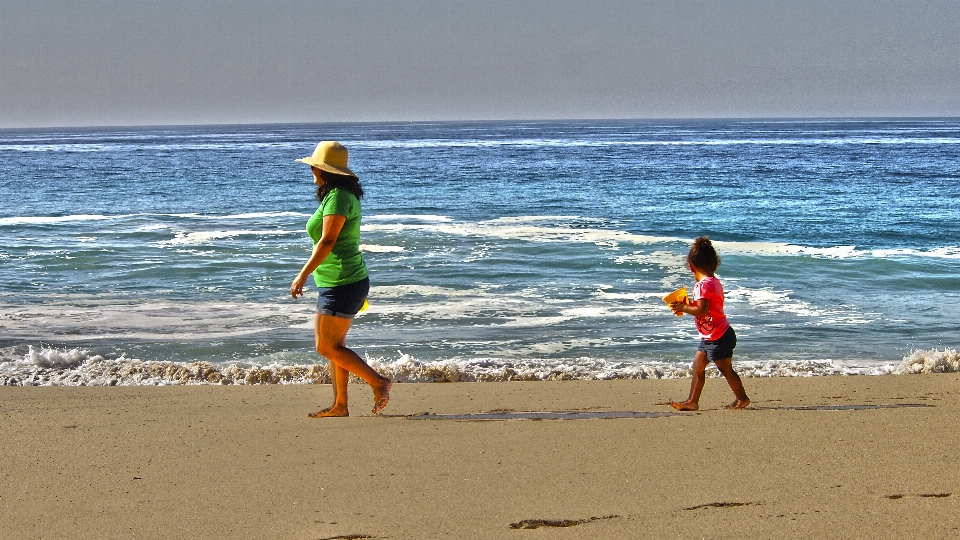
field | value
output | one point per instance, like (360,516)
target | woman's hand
(296,288)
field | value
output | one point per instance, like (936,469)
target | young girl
(717,337)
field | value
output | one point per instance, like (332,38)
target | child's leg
(726,368)
(692,403)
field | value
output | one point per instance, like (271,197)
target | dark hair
(341,181)
(703,257)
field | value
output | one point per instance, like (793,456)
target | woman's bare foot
(381,396)
(685,406)
(331,412)
(738,404)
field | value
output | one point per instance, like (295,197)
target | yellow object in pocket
(365,305)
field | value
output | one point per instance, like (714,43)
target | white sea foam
(157,321)
(542,219)
(772,302)
(445,304)
(56,147)
(572,142)
(832,252)
(183,238)
(534,322)
(548,229)
(398,291)
(153,227)
(78,367)
(251,215)
(409,217)
(524,231)
(530,308)
(134,146)
(44,220)
(946,252)
(373,248)
(930,361)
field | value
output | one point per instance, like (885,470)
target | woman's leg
(331,334)
(339,378)
(726,368)
(692,403)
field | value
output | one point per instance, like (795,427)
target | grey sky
(122,62)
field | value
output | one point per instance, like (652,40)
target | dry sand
(825,457)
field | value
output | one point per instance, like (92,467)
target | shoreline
(839,457)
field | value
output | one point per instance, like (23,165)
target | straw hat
(329,156)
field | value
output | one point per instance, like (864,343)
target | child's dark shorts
(343,300)
(720,349)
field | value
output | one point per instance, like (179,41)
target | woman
(339,273)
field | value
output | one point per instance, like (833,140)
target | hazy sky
(124,62)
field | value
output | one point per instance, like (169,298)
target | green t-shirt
(344,264)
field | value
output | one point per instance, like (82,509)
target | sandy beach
(823,457)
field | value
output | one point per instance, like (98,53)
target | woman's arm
(332,224)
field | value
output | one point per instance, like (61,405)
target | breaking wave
(78,367)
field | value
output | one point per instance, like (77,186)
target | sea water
(497,250)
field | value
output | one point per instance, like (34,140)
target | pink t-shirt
(714,324)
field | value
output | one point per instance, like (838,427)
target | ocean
(497,250)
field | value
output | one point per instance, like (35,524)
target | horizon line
(492,121)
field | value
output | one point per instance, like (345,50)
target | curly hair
(333,181)
(703,257)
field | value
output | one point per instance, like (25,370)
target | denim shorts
(720,349)
(343,300)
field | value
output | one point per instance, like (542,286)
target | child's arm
(699,309)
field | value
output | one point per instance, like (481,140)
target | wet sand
(823,457)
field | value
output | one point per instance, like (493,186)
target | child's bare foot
(331,412)
(685,406)
(738,404)
(381,396)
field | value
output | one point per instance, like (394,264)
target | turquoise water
(496,250)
